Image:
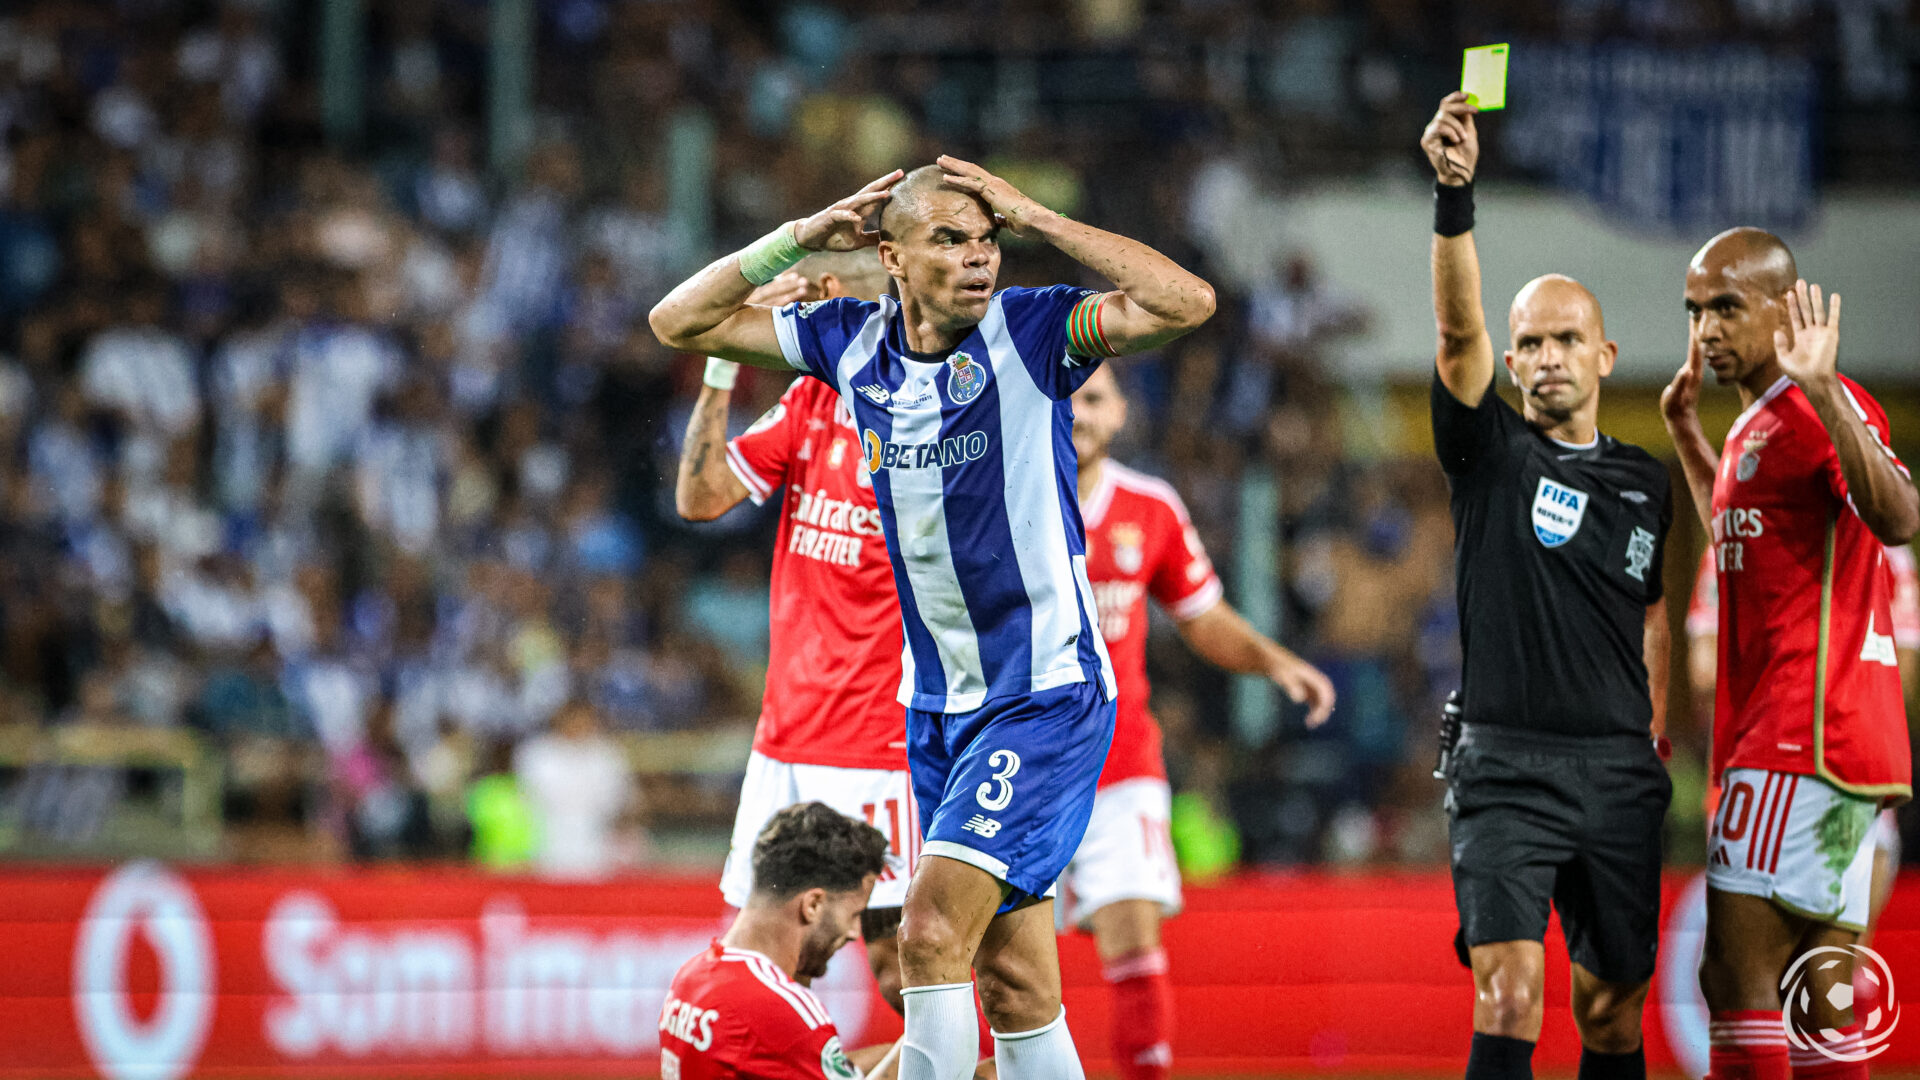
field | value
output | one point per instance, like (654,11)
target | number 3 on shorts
(1008,763)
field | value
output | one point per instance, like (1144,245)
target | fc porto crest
(1749,461)
(1558,511)
(965,378)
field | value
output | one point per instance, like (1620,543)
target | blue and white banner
(1666,138)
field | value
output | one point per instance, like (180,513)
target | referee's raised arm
(1464,357)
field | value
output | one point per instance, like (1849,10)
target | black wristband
(1452,208)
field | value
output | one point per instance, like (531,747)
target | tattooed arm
(705,487)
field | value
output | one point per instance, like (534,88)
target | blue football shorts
(1009,786)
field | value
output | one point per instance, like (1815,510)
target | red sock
(1747,1045)
(1142,1015)
(1814,1065)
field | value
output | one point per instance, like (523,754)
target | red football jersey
(833,658)
(733,1013)
(1703,606)
(1140,543)
(1703,612)
(1809,680)
(1906,597)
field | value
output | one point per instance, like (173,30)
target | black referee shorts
(1537,819)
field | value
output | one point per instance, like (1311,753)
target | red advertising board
(149,972)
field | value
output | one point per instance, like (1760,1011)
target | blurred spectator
(1290,321)
(506,832)
(1204,838)
(731,609)
(581,791)
(142,371)
(386,813)
(448,192)
(241,698)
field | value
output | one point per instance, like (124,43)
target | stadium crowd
(354,458)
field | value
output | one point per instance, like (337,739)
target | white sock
(1045,1053)
(942,1040)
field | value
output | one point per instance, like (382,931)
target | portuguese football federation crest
(965,378)
(1639,553)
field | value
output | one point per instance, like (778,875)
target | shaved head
(1558,351)
(911,198)
(1748,256)
(941,246)
(1557,291)
(858,273)
(1736,289)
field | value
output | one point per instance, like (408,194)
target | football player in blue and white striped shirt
(961,397)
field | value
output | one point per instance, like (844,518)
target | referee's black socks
(1497,1057)
(1628,1066)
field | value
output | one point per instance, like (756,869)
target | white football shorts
(1886,836)
(881,797)
(1796,840)
(1127,853)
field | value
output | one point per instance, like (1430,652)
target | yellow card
(1483,75)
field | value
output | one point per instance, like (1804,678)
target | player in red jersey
(1810,735)
(741,1008)
(830,725)
(1123,879)
(1703,658)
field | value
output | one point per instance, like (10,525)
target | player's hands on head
(1306,685)
(1011,208)
(1680,400)
(1813,354)
(1451,142)
(843,226)
(786,289)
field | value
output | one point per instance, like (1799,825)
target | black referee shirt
(1557,553)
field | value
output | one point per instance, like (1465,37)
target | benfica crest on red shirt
(1749,460)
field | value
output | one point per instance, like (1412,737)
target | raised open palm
(1814,351)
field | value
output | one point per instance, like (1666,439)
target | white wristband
(721,373)
(765,258)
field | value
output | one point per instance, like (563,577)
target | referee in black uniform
(1556,792)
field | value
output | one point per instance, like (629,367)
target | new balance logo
(982,824)
(875,393)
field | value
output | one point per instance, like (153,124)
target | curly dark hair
(813,846)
